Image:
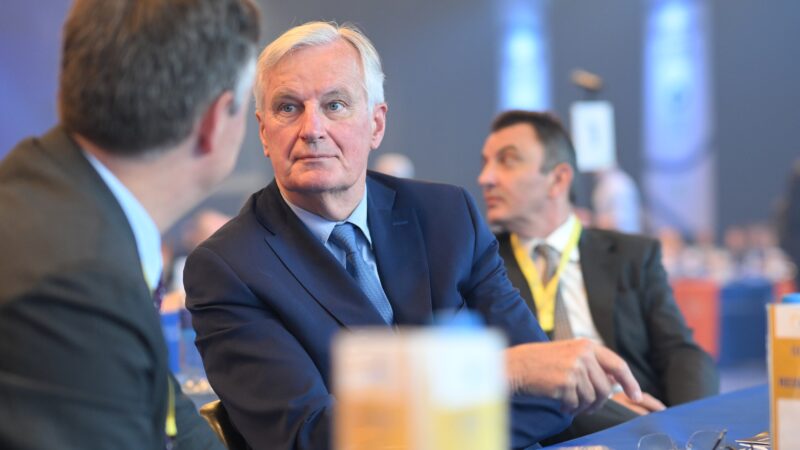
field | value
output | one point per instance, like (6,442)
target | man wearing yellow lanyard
(604,286)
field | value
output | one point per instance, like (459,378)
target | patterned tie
(344,237)
(550,258)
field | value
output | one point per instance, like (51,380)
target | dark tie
(550,256)
(344,237)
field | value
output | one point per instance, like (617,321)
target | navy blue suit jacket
(267,298)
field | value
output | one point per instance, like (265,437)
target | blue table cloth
(743,413)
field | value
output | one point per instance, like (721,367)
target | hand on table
(647,405)
(578,372)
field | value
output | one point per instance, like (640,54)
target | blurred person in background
(152,105)
(601,285)
(769,259)
(394,164)
(672,246)
(197,229)
(753,252)
(616,201)
(703,259)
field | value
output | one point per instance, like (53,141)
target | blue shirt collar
(145,231)
(322,227)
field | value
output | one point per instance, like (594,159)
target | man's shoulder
(62,220)
(242,227)
(618,236)
(412,185)
(625,244)
(415,193)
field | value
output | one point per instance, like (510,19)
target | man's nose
(486,177)
(312,128)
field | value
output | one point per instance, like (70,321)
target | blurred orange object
(782,288)
(698,300)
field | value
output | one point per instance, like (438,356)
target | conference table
(743,413)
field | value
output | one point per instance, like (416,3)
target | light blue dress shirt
(145,231)
(322,228)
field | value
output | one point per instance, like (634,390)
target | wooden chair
(216,416)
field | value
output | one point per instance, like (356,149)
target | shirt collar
(558,239)
(145,231)
(322,227)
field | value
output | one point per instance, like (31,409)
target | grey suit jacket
(635,313)
(82,357)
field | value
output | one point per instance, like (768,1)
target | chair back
(216,416)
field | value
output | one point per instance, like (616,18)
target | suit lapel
(400,254)
(312,264)
(514,272)
(600,268)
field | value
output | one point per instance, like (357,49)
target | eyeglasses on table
(700,440)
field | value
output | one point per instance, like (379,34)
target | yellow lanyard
(544,296)
(171,427)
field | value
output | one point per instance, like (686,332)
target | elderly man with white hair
(329,246)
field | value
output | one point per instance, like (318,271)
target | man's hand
(647,405)
(578,372)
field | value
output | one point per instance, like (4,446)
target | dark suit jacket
(789,219)
(267,298)
(633,309)
(82,358)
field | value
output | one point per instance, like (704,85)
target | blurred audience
(747,252)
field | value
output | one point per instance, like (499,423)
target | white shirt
(573,291)
(145,231)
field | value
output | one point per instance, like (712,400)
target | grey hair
(318,33)
(136,75)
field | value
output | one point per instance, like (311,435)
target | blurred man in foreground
(152,104)
(329,246)
(604,286)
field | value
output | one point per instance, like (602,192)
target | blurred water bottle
(784,372)
(438,388)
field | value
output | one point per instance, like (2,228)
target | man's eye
(507,160)
(335,106)
(287,108)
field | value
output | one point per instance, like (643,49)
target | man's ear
(562,176)
(262,131)
(213,122)
(378,124)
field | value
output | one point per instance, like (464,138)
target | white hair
(321,33)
